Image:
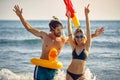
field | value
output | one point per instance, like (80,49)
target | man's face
(58,31)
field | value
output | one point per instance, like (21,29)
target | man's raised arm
(34,31)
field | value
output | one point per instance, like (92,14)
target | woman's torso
(78,62)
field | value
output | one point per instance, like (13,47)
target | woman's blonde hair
(80,30)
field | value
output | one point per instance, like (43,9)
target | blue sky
(45,9)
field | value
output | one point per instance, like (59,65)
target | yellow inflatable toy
(52,63)
(75,21)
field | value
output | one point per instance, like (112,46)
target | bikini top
(81,56)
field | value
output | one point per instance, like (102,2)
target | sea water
(18,46)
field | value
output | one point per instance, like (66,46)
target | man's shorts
(41,73)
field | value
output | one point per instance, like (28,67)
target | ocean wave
(106,44)
(6,74)
(27,41)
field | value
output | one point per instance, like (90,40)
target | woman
(80,45)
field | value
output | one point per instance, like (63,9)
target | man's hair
(54,23)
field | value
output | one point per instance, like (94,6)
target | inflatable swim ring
(47,63)
(51,63)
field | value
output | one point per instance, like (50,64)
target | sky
(45,9)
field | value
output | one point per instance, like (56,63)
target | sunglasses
(81,36)
(58,30)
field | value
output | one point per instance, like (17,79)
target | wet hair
(54,23)
(80,30)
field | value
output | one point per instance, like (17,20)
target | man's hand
(17,10)
(98,32)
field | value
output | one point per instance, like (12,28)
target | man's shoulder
(44,34)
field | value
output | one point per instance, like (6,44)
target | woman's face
(79,37)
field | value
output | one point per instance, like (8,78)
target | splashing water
(89,75)
(62,75)
(6,74)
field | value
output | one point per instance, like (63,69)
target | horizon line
(60,20)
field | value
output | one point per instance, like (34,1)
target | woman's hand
(68,14)
(87,10)
(17,10)
(100,31)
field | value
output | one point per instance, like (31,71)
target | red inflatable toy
(69,7)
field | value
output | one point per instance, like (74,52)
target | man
(50,40)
